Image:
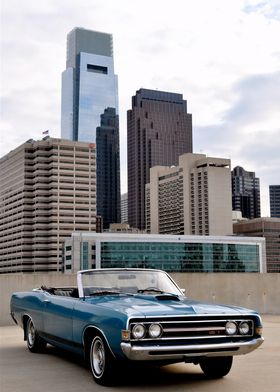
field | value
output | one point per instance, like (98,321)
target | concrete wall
(251,290)
(11,283)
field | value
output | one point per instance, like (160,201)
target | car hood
(163,305)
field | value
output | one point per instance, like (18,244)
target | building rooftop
(59,371)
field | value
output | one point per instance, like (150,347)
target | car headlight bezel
(138,331)
(231,328)
(241,326)
(155,331)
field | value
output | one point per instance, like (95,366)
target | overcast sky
(222,55)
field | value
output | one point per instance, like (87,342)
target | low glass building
(168,252)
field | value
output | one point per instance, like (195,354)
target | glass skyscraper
(245,193)
(274,196)
(108,172)
(89,90)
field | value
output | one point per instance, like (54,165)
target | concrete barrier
(251,290)
(11,283)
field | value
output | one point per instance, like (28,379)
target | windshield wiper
(158,291)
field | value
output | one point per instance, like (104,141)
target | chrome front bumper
(185,352)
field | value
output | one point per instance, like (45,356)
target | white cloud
(214,52)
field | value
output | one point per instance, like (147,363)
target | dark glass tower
(274,195)
(245,193)
(89,96)
(159,130)
(108,168)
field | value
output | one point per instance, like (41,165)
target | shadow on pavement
(145,376)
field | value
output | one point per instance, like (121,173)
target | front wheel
(101,361)
(217,367)
(34,342)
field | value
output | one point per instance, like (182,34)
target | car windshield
(99,282)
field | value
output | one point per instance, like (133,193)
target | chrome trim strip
(153,352)
(236,315)
(80,284)
(101,332)
(178,338)
(194,329)
(204,321)
(162,317)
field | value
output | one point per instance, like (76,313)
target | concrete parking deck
(57,371)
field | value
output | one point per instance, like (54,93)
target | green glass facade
(181,257)
(84,255)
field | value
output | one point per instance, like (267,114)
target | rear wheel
(217,367)
(102,362)
(34,342)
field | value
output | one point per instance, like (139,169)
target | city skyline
(230,83)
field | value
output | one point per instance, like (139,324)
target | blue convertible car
(115,316)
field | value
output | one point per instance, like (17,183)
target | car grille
(205,328)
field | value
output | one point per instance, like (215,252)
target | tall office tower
(47,192)
(193,198)
(274,195)
(159,130)
(89,94)
(108,174)
(124,217)
(245,193)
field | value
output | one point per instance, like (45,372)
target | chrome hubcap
(98,357)
(31,333)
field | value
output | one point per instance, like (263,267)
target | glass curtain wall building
(108,174)
(168,252)
(89,90)
(274,196)
(245,193)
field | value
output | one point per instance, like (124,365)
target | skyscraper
(159,130)
(124,218)
(89,94)
(274,195)
(108,170)
(245,193)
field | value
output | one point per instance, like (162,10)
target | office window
(97,69)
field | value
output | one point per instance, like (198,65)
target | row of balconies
(52,228)
(15,226)
(13,201)
(47,158)
(169,225)
(61,170)
(46,176)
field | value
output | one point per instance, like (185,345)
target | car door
(58,318)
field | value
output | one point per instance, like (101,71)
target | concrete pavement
(57,371)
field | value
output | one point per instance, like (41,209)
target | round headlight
(155,331)
(244,328)
(231,328)
(138,331)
